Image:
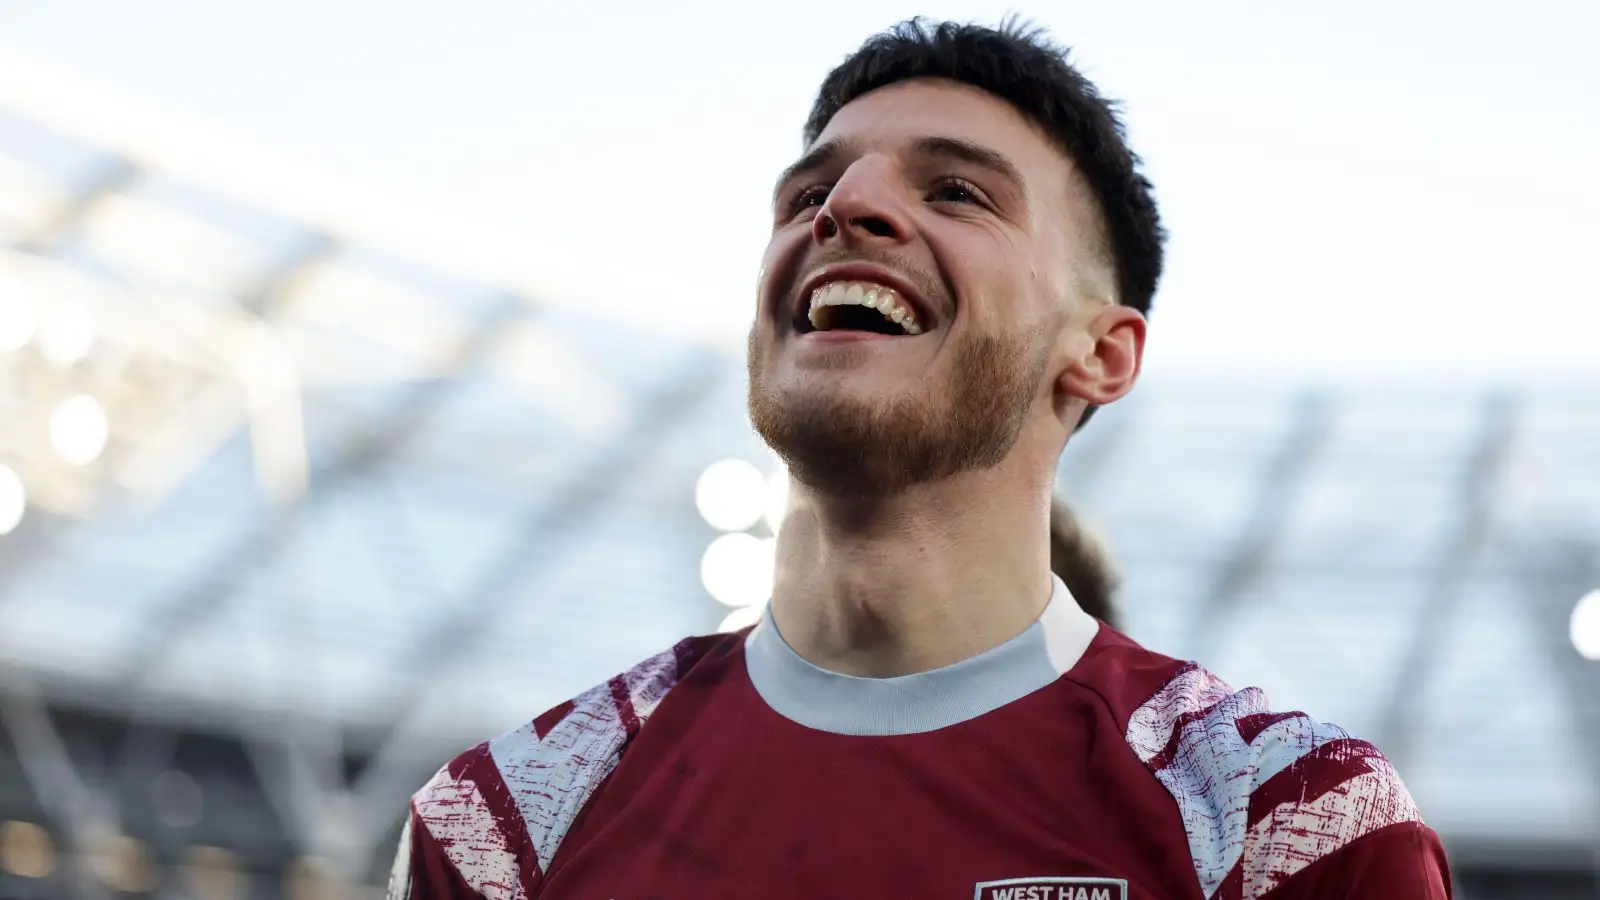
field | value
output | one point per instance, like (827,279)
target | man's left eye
(953,192)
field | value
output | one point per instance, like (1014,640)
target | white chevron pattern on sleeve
(1262,794)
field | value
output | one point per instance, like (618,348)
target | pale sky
(1390,189)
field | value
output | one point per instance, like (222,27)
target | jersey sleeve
(1400,862)
(464,837)
(1279,805)
(422,871)
(489,823)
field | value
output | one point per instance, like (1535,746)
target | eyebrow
(978,155)
(828,152)
(818,157)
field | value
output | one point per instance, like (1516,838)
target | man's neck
(893,586)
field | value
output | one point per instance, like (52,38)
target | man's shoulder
(1263,794)
(499,810)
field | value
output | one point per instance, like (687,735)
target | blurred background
(371,379)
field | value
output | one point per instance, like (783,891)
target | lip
(868,273)
(846,336)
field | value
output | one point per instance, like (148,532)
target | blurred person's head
(1080,560)
(959,267)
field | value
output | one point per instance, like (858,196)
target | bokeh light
(310,878)
(737,569)
(124,864)
(66,334)
(19,312)
(1584,628)
(731,495)
(13,499)
(78,429)
(26,850)
(213,873)
(178,799)
(777,499)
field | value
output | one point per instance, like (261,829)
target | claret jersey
(1066,764)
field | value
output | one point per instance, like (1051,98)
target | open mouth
(858,306)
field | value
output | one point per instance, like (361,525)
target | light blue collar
(926,701)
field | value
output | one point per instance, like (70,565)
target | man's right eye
(811,197)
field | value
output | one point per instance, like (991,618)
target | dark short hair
(1019,64)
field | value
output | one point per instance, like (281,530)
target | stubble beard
(969,421)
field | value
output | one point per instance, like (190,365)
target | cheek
(780,264)
(1042,279)
(1004,276)
(1057,268)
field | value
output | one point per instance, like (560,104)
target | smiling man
(958,274)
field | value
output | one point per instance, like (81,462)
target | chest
(753,807)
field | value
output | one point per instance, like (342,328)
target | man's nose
(868,205)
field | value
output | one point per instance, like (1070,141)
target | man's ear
(1104,357)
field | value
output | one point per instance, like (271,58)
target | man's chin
(843,445)
(855,472)
(863,433)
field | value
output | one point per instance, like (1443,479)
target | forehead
(894,116)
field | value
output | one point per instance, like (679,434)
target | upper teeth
(864,293)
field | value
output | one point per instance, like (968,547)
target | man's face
(925,258)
